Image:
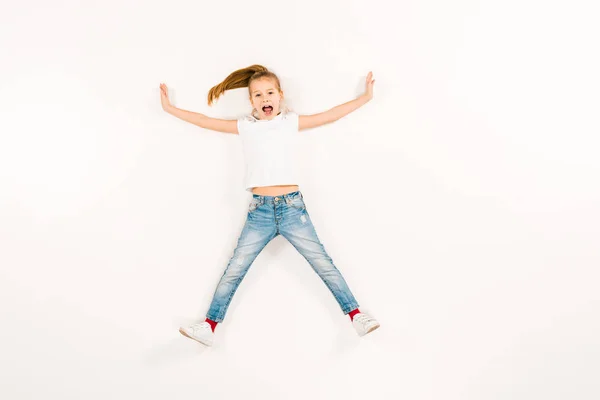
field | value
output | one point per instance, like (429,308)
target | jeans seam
(324,281)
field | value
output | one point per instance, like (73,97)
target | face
(264,93)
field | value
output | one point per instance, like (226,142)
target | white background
(462,204)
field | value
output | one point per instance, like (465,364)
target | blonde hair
(240,79)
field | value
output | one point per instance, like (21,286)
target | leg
(258,231)
(298,229)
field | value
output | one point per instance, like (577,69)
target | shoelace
(363,318)
(200,326)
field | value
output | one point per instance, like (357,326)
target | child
(277,206)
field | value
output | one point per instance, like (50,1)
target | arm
(312,121)
(201,120)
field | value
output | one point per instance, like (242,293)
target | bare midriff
(274,190)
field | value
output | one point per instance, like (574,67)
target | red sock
(212,323)
(352,313)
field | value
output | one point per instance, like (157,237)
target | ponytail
(240,79)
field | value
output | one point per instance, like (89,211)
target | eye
(257,95)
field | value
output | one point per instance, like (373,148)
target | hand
(369,86)
(164,97)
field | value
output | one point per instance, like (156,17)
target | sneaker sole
(371,329)
(193,338)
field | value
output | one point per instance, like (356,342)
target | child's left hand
(369,86)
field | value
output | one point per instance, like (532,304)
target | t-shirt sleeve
(294,120)
(241,125)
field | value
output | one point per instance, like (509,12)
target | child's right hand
(164,97)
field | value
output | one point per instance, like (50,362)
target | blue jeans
(268,217)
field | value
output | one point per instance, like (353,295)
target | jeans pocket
(254,204)
(297,202)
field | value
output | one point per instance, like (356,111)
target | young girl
(277,206)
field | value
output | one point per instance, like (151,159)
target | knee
(236,268)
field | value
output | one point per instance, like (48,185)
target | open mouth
(268,110)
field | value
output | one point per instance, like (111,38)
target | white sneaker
(200,331)
(364,323)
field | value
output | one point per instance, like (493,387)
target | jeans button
(276,198)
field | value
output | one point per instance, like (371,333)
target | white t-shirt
(270,149)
